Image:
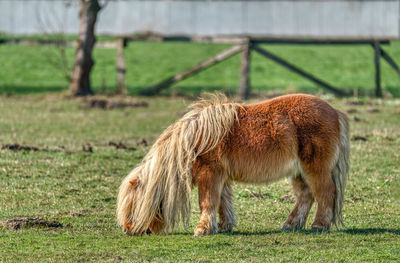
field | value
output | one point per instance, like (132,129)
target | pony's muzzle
(129,233)
(127,230)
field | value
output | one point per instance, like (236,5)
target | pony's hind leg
(304,200)
(210,183)
(323,189)
(227,217)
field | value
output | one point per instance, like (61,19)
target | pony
(218,142)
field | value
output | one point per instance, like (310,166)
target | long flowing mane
(164,175)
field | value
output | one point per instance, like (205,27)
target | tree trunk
(80,83)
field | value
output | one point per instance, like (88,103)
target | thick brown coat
(298,136)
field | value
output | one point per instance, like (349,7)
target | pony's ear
(134,182)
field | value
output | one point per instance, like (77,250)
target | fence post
(121,66)
(378,88)
(244,79)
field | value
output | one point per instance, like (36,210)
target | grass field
(78,189)
(36,69)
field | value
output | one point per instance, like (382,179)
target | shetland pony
(218,142)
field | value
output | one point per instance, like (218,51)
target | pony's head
(130,200)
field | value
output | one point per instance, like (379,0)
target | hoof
(292,227)
(225,227)
(201,231)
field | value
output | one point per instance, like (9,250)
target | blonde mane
(165,178)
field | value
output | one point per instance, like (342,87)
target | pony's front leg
(210,183)
(227,217)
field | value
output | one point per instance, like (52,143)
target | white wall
(288,19)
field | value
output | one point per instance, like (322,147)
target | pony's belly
(266,172)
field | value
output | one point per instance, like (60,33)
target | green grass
(79,190)
(36,69)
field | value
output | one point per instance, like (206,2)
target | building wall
(336,19)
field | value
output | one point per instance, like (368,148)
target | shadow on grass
(23,90)
(370,231)
(191,90)
(350,231)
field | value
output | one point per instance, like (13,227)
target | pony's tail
(341,169)
(167,168)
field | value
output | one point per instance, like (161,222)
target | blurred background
(187,47)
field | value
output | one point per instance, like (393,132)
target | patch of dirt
(18,147)
(351,111)
(359,138)
(373,110)
(354,102)
(356,119)
(29,222)
(112,103)
(122,146)
(87,148)
(389,138)
(143,142)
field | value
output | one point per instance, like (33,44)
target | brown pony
(218,142)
